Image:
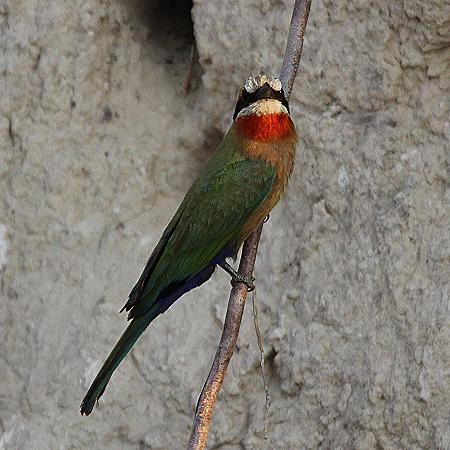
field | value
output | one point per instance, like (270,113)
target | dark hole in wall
(166,26)
(167,23)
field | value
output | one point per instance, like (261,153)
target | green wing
(211,215)
(153,260)
(214,214)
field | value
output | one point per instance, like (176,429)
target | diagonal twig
(294,45)
(238,293)
(224,352)
(259,340)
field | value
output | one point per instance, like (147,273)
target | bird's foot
(248,281)
(237,277)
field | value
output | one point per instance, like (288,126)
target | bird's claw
(237,277)
(248,281)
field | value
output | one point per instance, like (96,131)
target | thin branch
(238,293)
(294,45)
(227,343)
(261,364)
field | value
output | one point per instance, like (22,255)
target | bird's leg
(236,276)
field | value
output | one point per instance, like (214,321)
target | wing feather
(152,261)
(215,209)
(228,191)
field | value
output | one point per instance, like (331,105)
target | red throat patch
(265,127)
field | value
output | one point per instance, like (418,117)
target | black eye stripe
(264,92)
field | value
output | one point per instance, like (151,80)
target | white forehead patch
(255,82)
(263,107)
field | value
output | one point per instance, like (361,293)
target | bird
(244,179)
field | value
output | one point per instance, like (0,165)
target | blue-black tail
(132,333)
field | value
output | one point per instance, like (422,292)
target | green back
(226,193)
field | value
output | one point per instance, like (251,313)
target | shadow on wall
(165,31)
(169,23)
(168,26)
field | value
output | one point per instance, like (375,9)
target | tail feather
(123,346)
(136,327)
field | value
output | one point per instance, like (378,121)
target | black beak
(265,91)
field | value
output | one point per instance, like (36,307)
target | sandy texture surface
(98,144)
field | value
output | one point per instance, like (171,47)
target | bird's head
(261,94)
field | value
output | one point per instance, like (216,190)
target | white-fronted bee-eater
(237,189)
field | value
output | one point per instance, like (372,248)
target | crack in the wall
(11,132)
